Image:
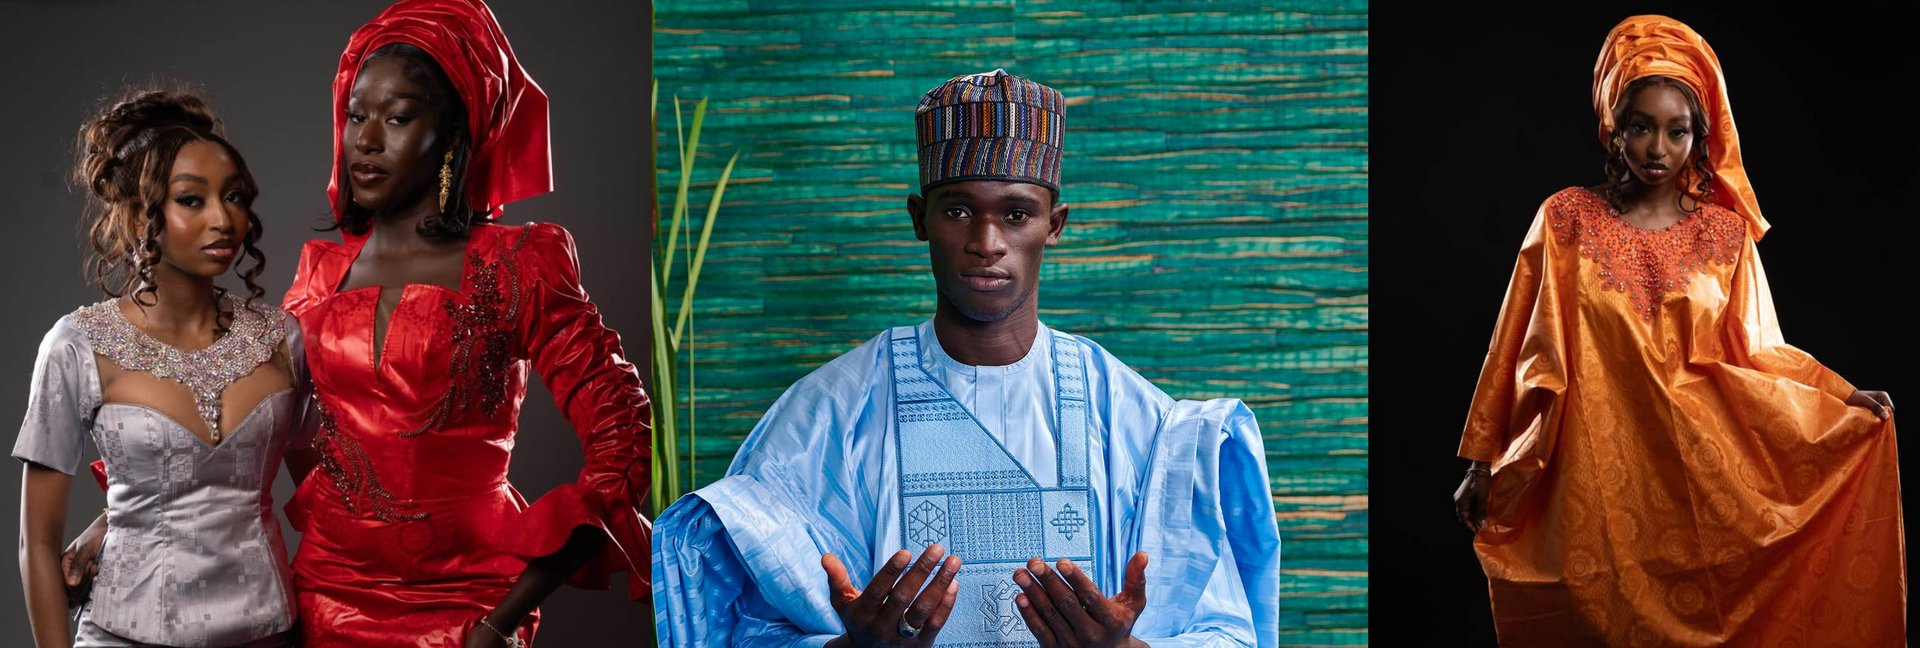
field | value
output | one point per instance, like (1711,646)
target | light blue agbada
(1066,453)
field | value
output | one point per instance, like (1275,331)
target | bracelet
(512,641)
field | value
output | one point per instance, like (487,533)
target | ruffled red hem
(544,528)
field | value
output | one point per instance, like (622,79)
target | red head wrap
(506,111)
(1644,46)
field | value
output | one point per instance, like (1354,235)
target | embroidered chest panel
(1645,264)
(484,320)
(959,487)
(251,337)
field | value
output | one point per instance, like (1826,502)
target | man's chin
(983,311)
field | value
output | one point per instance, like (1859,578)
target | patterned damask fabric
(1667,470)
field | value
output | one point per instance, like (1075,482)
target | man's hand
(893,610)
(1064,608)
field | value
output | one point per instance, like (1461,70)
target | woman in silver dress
(192,395)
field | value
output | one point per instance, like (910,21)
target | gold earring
(446,178)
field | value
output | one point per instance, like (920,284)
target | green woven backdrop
(1216,162)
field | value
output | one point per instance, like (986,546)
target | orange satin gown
(1667,470)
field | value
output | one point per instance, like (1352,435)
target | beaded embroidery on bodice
(1645,264)
(250,341)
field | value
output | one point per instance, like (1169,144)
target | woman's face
(205,211)
(1658,133)
(390,143)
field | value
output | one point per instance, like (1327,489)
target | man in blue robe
(1052,495)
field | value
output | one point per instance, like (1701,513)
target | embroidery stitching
(1068,521)
(929,524)
(346,463)
(998,607)
(249,342)
(1644,264)
(485,321)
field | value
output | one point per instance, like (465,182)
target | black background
(267,68)
(1481,111)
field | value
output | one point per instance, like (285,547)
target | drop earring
(446,178)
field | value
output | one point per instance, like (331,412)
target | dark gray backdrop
(267,68)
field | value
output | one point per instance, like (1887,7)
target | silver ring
(906,629)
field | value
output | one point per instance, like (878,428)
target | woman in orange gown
(1652,463)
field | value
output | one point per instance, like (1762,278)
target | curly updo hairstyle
(125,156)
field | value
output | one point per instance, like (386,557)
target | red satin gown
(410,531)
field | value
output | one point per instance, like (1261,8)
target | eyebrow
(357,96)
(1635,114)
(189,177)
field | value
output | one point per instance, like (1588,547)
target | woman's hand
(1878,401)
(81,561)
(1470,499)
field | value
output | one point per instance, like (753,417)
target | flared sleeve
(1524,374)
(581,362)
(1753,332)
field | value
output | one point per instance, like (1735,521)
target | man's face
(985,238)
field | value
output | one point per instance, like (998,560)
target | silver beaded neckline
(250,341)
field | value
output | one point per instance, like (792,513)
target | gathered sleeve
(580,360)
(1524,374)
(62,401)
(1753,332)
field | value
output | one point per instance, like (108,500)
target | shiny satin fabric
(1644,46)
(1675,476)
(410,531)
(506,110)
(193,553)
(738,562)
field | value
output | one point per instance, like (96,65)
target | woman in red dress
(422,323)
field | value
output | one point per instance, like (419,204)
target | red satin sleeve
(581,362)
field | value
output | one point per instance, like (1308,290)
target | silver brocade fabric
(194,554)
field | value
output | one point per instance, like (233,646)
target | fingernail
(1020,600)
(953,586)
(900,558)
(935,552)
(1066,566)
(1018,577)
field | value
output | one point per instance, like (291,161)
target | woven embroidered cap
(990,126)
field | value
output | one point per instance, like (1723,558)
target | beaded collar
(1646,264)
(250,340)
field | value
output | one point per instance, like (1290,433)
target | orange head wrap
(1645,46)
(506,111)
